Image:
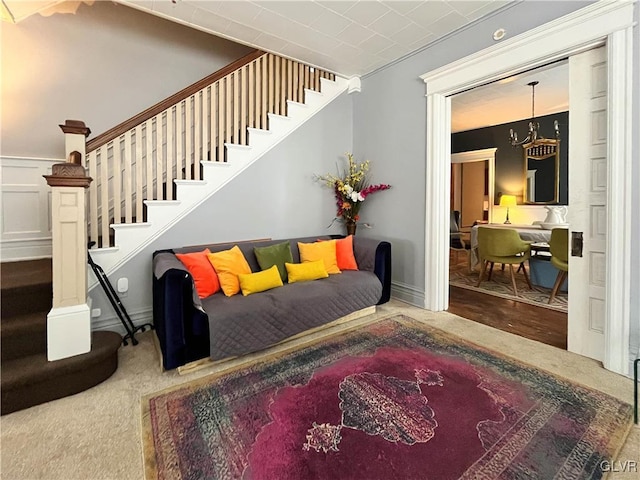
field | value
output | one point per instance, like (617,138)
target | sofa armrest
(375,256)
(180,323)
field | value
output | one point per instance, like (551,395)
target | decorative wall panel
(597,269)
(25,232)
(599,174)
(596,309)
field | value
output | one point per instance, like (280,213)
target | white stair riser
(312,99)
(189,192)
(241,154)
(259,138)
(158,211)
(213,172)
(297,111)
(279,125)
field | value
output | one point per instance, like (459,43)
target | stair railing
(140,158)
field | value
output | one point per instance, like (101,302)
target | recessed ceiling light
(499,34)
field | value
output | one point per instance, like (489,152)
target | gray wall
(390,127)
(276,197)
(510,162)
(101,65)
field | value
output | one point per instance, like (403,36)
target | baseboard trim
(113,323)
(18,250)
(634,352)
(407,294)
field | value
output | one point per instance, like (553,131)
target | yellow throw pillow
(260,281)
(229,264)
(302,272)
(325,251)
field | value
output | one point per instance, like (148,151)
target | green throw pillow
(277,255)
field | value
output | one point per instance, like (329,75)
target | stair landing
(27,378)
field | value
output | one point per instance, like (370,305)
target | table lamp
(508,201)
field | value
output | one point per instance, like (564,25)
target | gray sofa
(219,327)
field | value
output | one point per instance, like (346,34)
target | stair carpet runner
(27,378)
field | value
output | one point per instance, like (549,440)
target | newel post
(69,321)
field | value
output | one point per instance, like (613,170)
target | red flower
(374,188)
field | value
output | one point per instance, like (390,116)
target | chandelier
(533,136)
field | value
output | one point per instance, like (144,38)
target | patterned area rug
(391,400)
(500,286)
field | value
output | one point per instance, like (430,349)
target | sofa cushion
(325,251)
(304,272)
(240,325)
(204,276)
(277,255)
(229,264)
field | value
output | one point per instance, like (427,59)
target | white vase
(556,215)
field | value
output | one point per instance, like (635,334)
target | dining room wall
(509,169)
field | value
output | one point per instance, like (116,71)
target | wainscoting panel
(25,204)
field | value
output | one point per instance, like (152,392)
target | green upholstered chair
(502,245)
(559,248)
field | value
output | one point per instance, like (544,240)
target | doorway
(472,185)
(588,27)
(473,124)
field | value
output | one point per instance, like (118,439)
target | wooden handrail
(168,102)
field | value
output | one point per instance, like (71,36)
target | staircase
(27,378)
(148,173)
(180,152)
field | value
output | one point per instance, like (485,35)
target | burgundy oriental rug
(391,400)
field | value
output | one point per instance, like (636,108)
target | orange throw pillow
(204,276)
(229,264)
(344,253)
(325,251)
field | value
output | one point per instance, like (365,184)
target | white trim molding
(355,85)
(574,33)
(619,146)
(436,268)
(113,323)
(602,22)
(68,331)
(485,154)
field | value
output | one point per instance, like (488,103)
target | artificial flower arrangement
(351,189)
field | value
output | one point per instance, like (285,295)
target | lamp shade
(508,201)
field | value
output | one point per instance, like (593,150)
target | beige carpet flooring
(97,434)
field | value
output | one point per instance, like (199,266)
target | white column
(69,321)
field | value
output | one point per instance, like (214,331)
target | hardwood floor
(536,323)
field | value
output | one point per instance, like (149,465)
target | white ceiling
(357,37)
(352,38)
(510,99)
(345,37)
